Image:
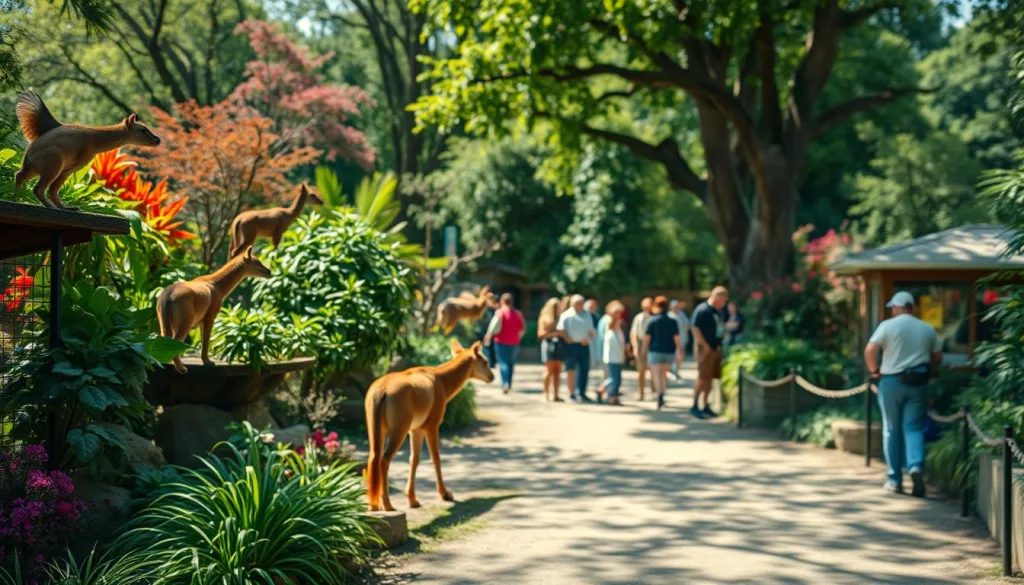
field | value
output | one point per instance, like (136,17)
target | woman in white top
(613,353)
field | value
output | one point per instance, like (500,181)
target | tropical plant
(96,376)
(333,266)
(256,516)
(261,335)
(375,201)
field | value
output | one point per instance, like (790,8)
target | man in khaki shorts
(637,332)
(708,331)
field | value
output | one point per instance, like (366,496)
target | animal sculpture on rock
(268,223)
(412,402)
(56,150)
(183,306)
(465,307)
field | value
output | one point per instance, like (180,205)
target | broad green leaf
(164,349)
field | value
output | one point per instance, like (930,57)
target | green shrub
(333,266)
(131,569)
(816,427)
(434,351)
(98,375)
(256,516)
(772,359)
(259,336)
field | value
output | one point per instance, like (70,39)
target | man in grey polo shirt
(911,355)
(579,328)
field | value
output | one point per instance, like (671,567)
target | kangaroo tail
(236,238)
(163,316)
(33,115)
(374,467)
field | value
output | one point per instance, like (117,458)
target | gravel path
(567,494)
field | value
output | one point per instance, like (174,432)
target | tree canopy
(753,74)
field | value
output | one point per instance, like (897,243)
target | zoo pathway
(567,494)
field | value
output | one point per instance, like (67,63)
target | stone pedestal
(849,436)
(391,527)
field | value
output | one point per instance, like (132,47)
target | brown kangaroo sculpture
(464,307)
(56,150)
(268,223)
(183,306)
(413,402)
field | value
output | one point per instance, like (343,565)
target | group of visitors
(575,338)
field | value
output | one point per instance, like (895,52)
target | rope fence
(1011,451)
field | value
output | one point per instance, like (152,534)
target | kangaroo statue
(269,223)
(413,403)
(183,306)
(56,150)
(464,307)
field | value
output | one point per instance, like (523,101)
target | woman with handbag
(552,347)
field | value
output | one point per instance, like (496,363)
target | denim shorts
(656,357)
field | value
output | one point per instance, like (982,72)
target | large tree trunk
(768,254)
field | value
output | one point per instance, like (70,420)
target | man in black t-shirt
(707,348)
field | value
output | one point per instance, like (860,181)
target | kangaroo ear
(455,346)
(476,347)
(248,252)
(304,189)
(131,120)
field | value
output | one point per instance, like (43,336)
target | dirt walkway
(567,494)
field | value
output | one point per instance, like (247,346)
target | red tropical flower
(116,172)
(990,297)
(19,288)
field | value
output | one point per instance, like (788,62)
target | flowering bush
(116,172)
(325,450)
(37,509)
(814,304)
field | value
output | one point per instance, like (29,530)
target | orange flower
(115,172)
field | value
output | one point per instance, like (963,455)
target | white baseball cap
(901,299)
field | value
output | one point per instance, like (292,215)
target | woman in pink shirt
(506,329)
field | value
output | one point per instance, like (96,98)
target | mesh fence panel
(25,289)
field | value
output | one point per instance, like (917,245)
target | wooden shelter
(942,271)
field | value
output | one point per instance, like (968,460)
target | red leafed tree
(224,157)
(284,84)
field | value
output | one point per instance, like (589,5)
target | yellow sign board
(931,311)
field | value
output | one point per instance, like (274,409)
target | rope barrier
(956,416)
(769,383)
(835,394)
(1016,450)
(987,440)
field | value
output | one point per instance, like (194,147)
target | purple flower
(62,482)
(38,481)
(35,454)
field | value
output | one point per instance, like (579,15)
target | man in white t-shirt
(579,329)
(911,355)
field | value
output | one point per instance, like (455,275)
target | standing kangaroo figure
(269,223)
(464,307)
(413,402)
(183,306)
(56,150)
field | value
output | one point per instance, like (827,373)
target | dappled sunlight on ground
(603,495)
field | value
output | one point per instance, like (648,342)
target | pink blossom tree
(285,84)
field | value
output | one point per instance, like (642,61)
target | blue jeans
(490,353)
(577,357)
(506,362)
(614,381)
(904,409)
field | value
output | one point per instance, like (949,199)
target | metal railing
(1010,449)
